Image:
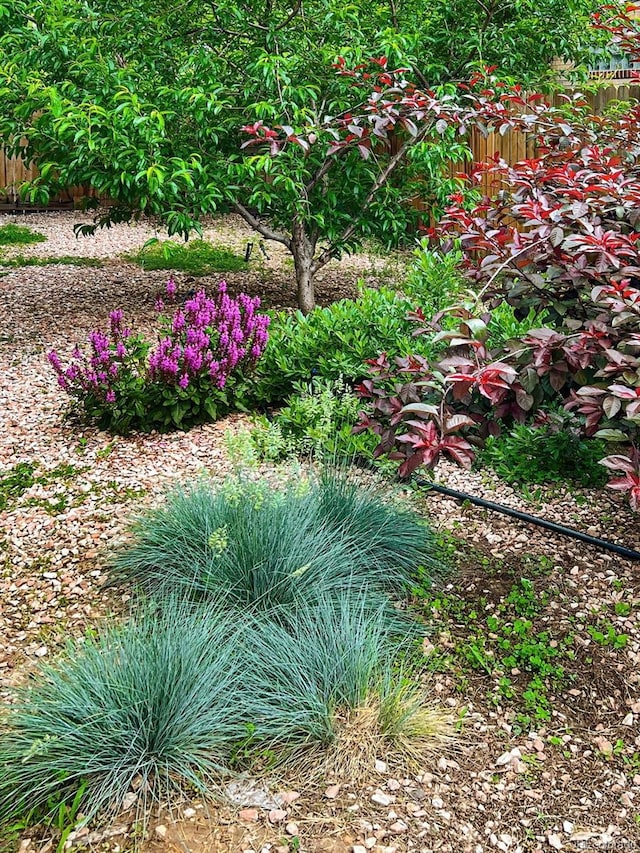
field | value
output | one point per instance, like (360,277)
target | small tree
(145,103)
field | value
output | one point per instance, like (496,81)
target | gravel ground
(570,782)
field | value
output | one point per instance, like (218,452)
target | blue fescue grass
(266,548)
(388,538)
(329,684)
(269,635)
(150,701)
(262,550)
(173,700)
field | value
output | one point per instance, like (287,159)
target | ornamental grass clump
(328,694)
(261,549)
(126,383)
(149,709)
(265,548)
(388,537)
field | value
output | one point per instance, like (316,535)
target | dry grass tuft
(399,726)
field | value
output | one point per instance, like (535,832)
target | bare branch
(380,181)
(267,233)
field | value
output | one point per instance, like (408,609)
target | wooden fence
(511,147)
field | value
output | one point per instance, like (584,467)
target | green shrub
(151,702)
(18,235)
(317,422)
(434,281)
(266,548)
(197,257)
(335,342)
(545,454)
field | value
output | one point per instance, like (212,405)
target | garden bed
(568,778)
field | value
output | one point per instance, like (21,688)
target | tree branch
(255,223)
(380,181)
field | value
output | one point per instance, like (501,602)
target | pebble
(382,799)
(249,815)
(277,815)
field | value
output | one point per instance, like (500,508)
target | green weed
(15,482)
(604,634)
(506,641)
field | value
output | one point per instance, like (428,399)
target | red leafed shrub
(560,235)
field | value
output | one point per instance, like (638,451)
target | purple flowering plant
(204,349)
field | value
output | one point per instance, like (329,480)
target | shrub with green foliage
(335,342)
(545,454)
(197,257)
(266,548)
(317,422)
(435,280)
(19,235)
(151,701)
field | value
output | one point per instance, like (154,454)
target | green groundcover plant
(267,548)
(197,257)
(19,235)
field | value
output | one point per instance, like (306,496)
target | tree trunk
(303,250)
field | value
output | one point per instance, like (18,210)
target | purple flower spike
(54,361)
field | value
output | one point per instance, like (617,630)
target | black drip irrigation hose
(627,553)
